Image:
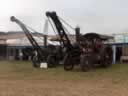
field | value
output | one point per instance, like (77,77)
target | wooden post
(114,53)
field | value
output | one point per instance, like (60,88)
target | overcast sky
(102,16)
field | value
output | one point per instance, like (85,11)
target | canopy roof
(96,35)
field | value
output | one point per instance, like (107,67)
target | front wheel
(51,61)
(35,62)
(68,65)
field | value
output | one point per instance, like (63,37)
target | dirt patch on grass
(21,79)
(61,88)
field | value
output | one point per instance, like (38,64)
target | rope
(52,26)
(68,33)
(34,31)
(66,23)
(71,38)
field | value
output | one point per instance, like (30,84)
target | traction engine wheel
(85,63)
(35,62)
(107,57)
(67,63)
(51,61)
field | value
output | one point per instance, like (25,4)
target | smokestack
(77,31)
(45,32)
(45,40)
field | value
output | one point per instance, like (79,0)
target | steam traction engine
(88,50)
(94,52)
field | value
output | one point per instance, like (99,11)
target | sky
(101,16)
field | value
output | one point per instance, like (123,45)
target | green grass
(24,70)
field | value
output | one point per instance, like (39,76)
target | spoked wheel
(85,63)
(68,65)
(107,58)
(35,62)
(51,61)
(107,61)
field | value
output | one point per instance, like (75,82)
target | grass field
(21,79)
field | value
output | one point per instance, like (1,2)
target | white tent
(25,42)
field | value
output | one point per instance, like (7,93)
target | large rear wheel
(107,57)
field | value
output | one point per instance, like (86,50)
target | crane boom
(41,53)
(71,55)
(60,29)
